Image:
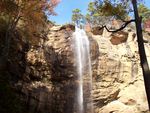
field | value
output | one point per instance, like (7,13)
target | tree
(76,16)
(25,16)
(143,58)
(138,21)
(144,12)
(102,12)
(93,17)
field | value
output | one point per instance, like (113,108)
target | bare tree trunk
(143,59)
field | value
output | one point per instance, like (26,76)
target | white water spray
(84,80)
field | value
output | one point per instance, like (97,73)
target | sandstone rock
(55,28)
(68,27)
(147,49)
(97,31)
(50,84)
(118,69)
(118,107)
(134,95)
(119,37)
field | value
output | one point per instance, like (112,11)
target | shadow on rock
(63,81)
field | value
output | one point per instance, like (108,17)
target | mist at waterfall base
(84,72)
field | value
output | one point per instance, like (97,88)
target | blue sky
(65,7)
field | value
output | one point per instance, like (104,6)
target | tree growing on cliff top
(144,12)
(27,16)
(138,20)
(102,12)
(76,15)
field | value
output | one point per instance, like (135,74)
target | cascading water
(84,80)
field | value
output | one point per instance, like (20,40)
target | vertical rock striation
(49,83)
(118,82)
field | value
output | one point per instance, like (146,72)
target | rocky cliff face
(118,82)
(49,82)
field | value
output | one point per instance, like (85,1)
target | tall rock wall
(49,83)
(118,82)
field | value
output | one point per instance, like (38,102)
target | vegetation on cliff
(22,24)
(25,17)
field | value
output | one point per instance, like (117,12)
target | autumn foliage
(29,16)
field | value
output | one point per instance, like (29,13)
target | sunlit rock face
(119,37)
(118,81)
(49,83)
(97,31)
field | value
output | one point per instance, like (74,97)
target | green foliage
(101,11)
(92,8)
(108,8)
(93,15)
(144,12)
(76,15)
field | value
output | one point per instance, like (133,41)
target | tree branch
(121,28)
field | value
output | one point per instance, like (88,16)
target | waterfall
(84,79)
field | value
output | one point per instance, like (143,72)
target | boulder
(119,37)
